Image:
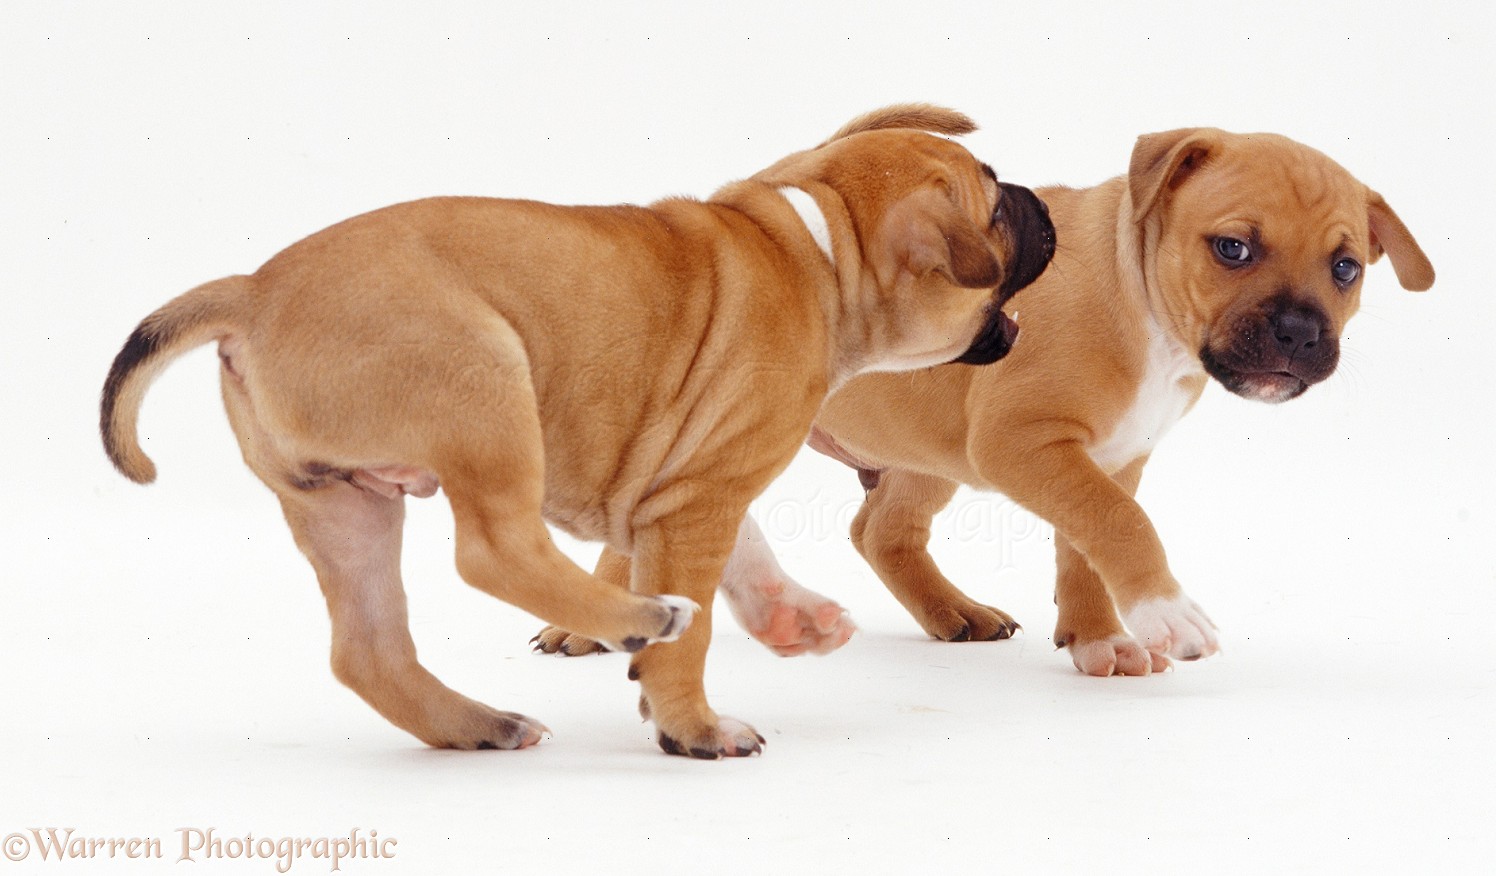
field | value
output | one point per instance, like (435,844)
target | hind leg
(349,526)
(788,618)
(892,532)
(352,537)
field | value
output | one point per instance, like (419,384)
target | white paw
(682,612)
(1176,627)
(738,739)
(786,617)
(678,614)
(729,738)
(1117,655)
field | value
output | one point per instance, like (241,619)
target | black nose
(1296,331)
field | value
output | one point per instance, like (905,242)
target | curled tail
(210,311)
(919,116)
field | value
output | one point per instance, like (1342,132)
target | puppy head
(1257,246)
(943,244)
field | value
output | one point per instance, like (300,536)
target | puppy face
(1259,246)
(943,244)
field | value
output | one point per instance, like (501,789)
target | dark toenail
(761,740)
(485,745)
(705,754)
(633,672)
(961,635)
(566,648)
(634,643)
(670,745)
(1193,655)
(536,639)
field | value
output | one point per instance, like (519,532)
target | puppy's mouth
(1275,354)
(993,342)
(1271,386)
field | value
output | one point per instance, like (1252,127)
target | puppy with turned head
(1233,257)
(635,375)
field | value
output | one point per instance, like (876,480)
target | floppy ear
(929,234)
(1390,235)
(1162,162)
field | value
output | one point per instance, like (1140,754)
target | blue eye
(1345,271)
(1232,252)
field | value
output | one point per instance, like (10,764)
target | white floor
(167,669)
(163,653)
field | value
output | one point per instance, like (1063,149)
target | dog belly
(587,524)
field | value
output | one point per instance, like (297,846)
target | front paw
(1118,654)
(668,618)
(967,621)
(728,737)
(1175,627)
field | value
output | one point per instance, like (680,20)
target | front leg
(787,617)
(684,555)
(1088,624)
(1098,518)
(613,568)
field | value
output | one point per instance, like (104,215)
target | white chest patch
(1161,400)
(811,215)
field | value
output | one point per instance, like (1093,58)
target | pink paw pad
(1117,655)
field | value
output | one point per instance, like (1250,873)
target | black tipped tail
(142,344)
(207,312)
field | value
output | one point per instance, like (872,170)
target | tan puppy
(634,375)
(1237,257)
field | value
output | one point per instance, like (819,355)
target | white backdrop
(163,650)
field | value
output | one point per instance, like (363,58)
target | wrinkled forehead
(967,176)
(1290,194)
(988,178)
(903,159)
